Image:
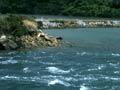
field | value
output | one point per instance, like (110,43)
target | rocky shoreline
(76,23)
(19,32)
(27,42)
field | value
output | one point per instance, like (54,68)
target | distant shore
(64,22)
(61,22)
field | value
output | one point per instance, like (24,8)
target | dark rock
(59,38)
(2,47)
(9,45)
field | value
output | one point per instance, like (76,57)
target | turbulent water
(89,60)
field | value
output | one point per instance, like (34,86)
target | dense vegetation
(16,25)
(86,8)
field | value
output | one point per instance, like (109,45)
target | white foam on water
(36,58)
(116,72)
(89,78)
(93,69)
(9,77)
(100,67)
(110,78)
(43,52)
(60,53)
(10,53)
(112,64)
(9,62)
(17,78)
(26,70)
(1,57)
(115,65)
(55,70)
(115,54)
(115,79)
(67,79)
(57,81)
(84,53)
(47,63)
(84,88)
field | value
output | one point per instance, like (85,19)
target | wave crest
(55,70)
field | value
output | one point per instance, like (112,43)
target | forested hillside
(85,8)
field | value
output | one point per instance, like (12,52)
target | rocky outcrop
(24,34)
(28,42)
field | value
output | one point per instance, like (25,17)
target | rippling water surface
(89,60)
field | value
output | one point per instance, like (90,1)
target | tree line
(83,8)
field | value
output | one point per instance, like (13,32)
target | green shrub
(13,25)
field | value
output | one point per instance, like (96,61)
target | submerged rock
(59,38)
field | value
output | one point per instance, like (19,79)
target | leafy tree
(94,8)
